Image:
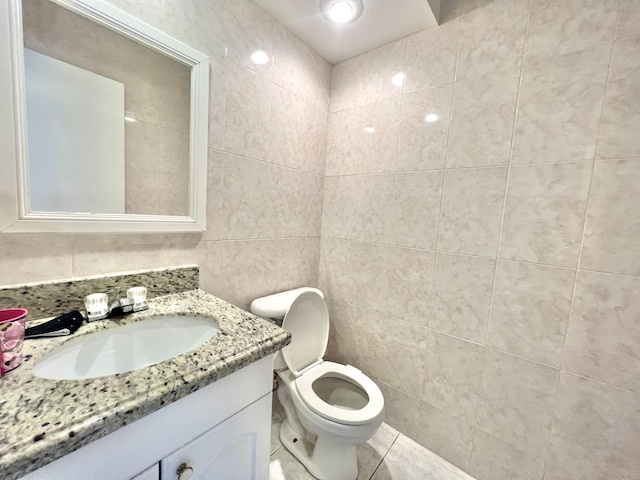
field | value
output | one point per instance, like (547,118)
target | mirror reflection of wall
(156,118)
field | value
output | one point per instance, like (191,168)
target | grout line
(504,207)
(373,474)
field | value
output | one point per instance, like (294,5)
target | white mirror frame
(15,214)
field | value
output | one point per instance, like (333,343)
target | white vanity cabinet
(151,473)
(228,451)
(222,431)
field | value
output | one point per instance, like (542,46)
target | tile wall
(487,270)
(267,141)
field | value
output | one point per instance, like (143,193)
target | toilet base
(325,459)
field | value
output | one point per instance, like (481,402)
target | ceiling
(382,21)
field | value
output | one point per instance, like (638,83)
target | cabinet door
(237,449)
(151,473)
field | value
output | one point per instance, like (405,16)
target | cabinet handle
(184,472)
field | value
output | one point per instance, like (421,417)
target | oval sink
(126,348)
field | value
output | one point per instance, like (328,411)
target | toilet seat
(373,408)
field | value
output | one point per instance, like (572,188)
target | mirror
(110,119)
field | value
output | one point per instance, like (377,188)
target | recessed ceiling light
(259,57)
(431,117)
(341,11)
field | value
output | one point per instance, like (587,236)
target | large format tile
(613,220)
(544,213)
(595,432)
(346,267)
(472,210)
(34,258)
(621,112)
(530,310)
(516,401)
(284,466)
(253,209)
(628,19)
(443,434)
(462,296)
(453,373)
(251,269)
(414,213)
(409,461)
(424,127)
(569,26)
(431,57)
(371,453)
(494,459)
(409,275)
(482,119)
(356,207)
(482,49)
(371,341)
(604,332)
(559,107)
(248,112)
(364,139)
(367,78)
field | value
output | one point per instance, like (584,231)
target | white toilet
(330,408)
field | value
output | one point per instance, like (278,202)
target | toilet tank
(277,305)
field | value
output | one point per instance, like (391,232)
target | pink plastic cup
(12,322)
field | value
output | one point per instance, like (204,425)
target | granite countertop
(42,420)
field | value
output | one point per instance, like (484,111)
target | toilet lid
(308,322)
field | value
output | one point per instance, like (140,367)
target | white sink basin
(126,348)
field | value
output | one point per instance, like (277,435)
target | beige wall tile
(431,57)
(494,459)
(621,112)
(595,432)
(482,119)
(364,139)
(424,128)
(613,219)
(559,106)
(453,373)
(481,49)
(569,26)
(516,401)
(472,210)
(604,333)
(530,311)
(253,209)
(34,258)
(544,213)
(409,274)
(628,18)
(367,78)
(413,215)
(347,266)
(445,435)
(402,410)
(462,296)
(368,198)
(248,112)
(254,268)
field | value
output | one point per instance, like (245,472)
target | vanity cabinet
(151,473)
(228,451)
(221,431)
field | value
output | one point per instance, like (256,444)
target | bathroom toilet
(330,407)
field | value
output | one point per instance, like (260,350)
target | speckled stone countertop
(42,420)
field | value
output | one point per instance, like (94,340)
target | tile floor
(389,455)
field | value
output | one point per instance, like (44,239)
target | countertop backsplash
(49,299)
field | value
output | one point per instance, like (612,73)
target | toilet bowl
(330,407)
